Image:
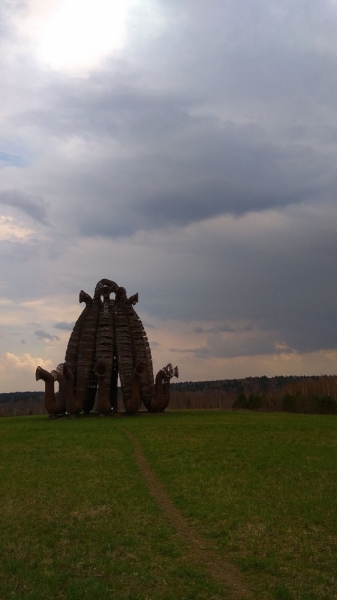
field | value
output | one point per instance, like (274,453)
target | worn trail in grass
(263,487)
(78,520)
(199,550)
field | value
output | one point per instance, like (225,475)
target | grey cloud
(222,329)
(101,107)
(233,175)
(33,206)
(43,335)
(257,54)
(275,276)
(65,326)
(216,347)
(175,162)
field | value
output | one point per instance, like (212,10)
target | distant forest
(259,385)
(21,403)
(307,394)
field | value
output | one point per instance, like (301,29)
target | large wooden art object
(108,340)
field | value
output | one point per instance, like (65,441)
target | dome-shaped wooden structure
(108,340)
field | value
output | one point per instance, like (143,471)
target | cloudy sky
(186,150)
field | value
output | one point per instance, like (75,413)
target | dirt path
(199,550)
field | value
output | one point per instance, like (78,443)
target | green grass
(77,520)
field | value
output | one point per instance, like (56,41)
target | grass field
(78,520)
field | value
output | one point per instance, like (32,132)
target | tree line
(307,394)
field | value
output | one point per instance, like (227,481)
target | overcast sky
(186,150)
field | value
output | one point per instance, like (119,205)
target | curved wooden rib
(65,378)
(108,284)
(62,393)
(134,403)
(166,387)
(85,383)
(124,350)
(74,340)
(72,405)
(86,353)
(161,398)
(102,404)
(54,405)
(104,354)
(142,352)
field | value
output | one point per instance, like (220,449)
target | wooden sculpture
(108,340)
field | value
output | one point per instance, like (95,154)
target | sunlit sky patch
(10,230)
(76,35)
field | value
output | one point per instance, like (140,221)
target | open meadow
(253,495)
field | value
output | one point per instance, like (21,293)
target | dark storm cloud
(103,106)
(198,174)
(280,282)
(31,205)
